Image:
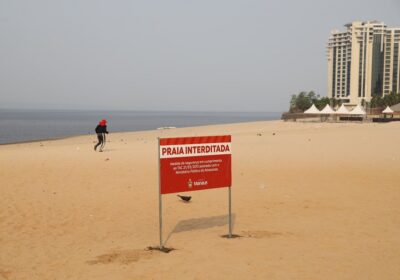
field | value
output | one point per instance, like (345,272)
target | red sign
(195,163)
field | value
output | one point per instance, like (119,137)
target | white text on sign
(190,150)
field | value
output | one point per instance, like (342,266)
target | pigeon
(184,198)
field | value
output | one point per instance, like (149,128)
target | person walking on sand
(101,130)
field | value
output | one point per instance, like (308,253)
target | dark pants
(101,141)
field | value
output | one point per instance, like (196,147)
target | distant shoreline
(41,140)
(117,132)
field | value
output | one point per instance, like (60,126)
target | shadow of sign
(201,223)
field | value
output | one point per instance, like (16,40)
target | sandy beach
(310,200)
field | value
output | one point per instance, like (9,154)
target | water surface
(29,125)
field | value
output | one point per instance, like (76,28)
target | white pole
(159,195)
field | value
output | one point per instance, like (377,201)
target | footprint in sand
(121,257)
(5,274)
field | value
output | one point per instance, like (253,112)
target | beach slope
(310,200)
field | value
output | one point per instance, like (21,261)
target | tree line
(378,101)
(304,100)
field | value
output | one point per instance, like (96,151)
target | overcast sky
(199,55)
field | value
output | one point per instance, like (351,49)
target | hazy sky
(222,55)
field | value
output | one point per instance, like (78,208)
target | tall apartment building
(363,61)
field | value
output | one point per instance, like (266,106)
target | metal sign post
(159,195)
(230,212)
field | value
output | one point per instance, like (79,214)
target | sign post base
(231,236)
(161,249)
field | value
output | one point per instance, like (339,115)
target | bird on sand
(184,198)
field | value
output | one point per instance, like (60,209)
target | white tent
(387,110)
(342,110)
(312,110)
(358,110)
(327,110)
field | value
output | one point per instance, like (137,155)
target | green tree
(304,100)
(293,103)
(311,95)
(335,102)
(390,99)
(320,103)
(376,101)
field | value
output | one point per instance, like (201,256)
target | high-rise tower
(363,61)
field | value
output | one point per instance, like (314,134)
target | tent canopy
(312,110)
(327,110)
(387,110)
(342,110)
(358,110)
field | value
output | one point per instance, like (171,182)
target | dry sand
(310,200)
